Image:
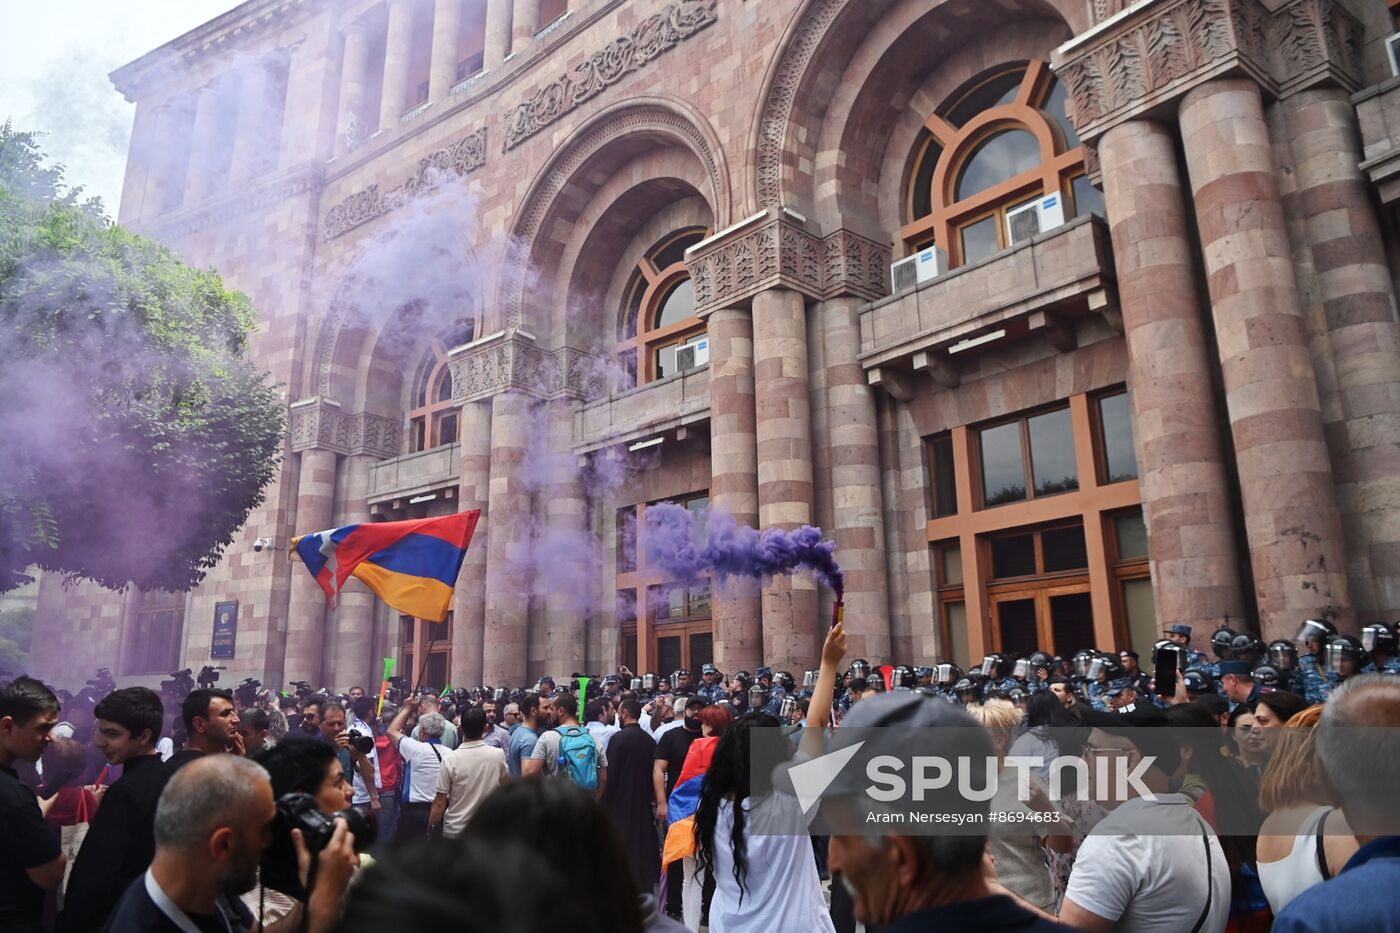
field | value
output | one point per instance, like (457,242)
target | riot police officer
(1220,644)
(1181,635)
(711,684)
(1310,679)
(1379,639)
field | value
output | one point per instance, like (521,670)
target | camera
(208,676)
(260,543)
(246,693)
(299,811)
(364,744)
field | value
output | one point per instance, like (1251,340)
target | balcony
(1378,110)
(1041,286)
(393,482)
(644,412)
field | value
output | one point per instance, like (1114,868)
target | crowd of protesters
(627,802)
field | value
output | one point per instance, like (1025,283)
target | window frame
(655,284)
(425,421)
(1027,456)
(947,216)
(1101,465)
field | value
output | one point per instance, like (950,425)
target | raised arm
(819,711)
(401,720)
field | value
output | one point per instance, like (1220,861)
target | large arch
(822,39)
(567,183)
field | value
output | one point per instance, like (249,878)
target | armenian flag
(411,565)
(684,801)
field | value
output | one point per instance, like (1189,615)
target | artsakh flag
(411,565)
(684,801)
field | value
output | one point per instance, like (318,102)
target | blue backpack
(578,756)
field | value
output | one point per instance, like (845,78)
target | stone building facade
(559,259)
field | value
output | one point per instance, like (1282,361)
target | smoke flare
(679,547)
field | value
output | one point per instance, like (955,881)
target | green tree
(137,434)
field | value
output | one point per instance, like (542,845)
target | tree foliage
(137,434)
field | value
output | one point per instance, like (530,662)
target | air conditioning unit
(693,355)
(1034,218)
(924,266)
(1392,48)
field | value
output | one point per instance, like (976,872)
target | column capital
(510,361)
(1151,54)
(319,424)
(774,249)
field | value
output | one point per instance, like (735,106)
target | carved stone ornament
(320,425)
(510,362)
(655,35)
(1162,50)
(462,157)
(772,252)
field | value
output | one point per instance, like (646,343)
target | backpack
(578,756)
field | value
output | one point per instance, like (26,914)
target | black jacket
(119,846)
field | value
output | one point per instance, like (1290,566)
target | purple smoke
(677,546)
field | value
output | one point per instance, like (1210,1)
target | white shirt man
(1151,865)
(467,776)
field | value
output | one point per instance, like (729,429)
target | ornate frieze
(1155,53)
(511,362)
(771,251)
(462,157)
(316,424)
(653,36)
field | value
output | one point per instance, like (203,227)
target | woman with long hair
(681,807)
(1304,840)
(764,882)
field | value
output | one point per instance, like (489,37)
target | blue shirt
(522,745)
(1361,897)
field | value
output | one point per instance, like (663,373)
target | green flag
(384,687)
(445,690)
(582,696)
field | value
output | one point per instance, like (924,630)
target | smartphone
(1164,674)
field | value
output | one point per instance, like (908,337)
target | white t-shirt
(602,733)
(422,760)
(361,794)
(166,748)
(1144,867)
(782,890)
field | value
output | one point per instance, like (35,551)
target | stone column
(524,24)
(857,502)
(498,37)
(1186,498)
(353,65)
(210,133)
(350,639)
(258,113)
(565,549)
(141,163)
(1285,474)
(734,479)
(398,47)
(306,614)
(1351,282)
(447,26)
(504,658)
(469,604)
(784,430)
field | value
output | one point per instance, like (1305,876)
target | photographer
(212,824)
(358,758)
(298,766)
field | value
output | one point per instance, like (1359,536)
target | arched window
(997,145)
(657,318)
(433,421)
